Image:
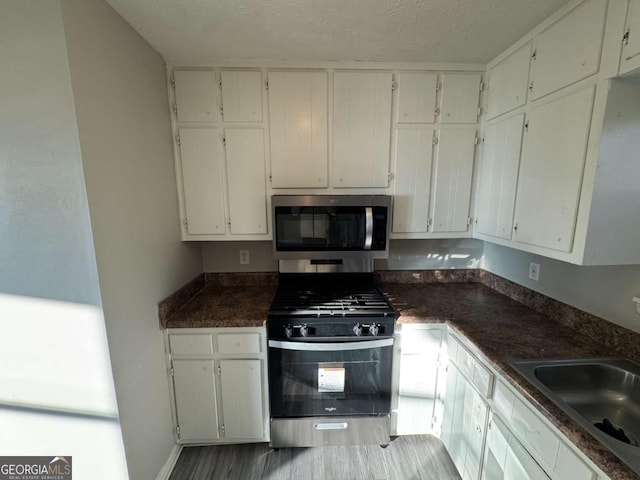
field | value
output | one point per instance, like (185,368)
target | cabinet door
(460,98)
(196,96)
(201,160)
(551,167)
(508,82)
(452,174)
(476,413)
(453,420)
(416,97)
(630,59)
(569,50)
(242,399)
(498,176)
(361,129)
(414,153)
(195,394)
(298,129)
(241,96)
(246,181)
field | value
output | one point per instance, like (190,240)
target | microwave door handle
(368,222)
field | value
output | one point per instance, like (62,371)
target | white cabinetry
(452,176)
(460,98)
(241,96)
(569,50)
(498,176)
(630,58)
(553,156)
(246,181)
(219,384)
(361,129)
(201,160)
(417,97)
(196,96)
(298,129)
(420,352)
(508,82)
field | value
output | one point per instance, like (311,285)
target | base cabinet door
(241,392)
(194,383)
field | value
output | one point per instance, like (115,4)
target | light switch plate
(534,271)
(244,257)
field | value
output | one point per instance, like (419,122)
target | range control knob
(357,329)
(374,330)
(304,331)
(288,330)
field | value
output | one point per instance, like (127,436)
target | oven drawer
(319,431)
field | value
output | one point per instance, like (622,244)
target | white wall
(602,291)
(120,94)
(53,348)
(403,255)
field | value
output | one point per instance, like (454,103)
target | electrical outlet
(534,271)
(244,257)
(636,300)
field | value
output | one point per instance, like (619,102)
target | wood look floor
(411,457)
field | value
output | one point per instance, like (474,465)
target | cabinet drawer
(420,340)
(477,373)
(239,343)
(535,435)
(191,344)
(503,401)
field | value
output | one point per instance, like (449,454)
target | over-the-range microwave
(326,227)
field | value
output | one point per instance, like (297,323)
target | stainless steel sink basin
(601,394)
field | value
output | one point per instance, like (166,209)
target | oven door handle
(331,347)
(368,226)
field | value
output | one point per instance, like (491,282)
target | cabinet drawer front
(421,341)
(535,435)
(239,343)
(503,401)
(569,465)
(465,362)
(191,344)
(482,379)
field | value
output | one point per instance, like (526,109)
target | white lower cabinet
(219,384)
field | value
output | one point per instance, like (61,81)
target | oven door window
(336,382)
(320,228)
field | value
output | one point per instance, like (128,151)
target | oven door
(338,378)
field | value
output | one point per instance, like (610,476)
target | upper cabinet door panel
(460,98)
(630,59)
(246,181)
(551,167)
(361,129)
(498,177)
(569,50)
(298,129)
(196,95)
(414,153)
(417,97)
(241,96)
(452,180)
(508,82)
(201,160)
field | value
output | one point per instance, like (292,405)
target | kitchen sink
(601,394)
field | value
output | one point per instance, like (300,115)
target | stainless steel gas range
(330,334)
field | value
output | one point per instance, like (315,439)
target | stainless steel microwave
(329,227)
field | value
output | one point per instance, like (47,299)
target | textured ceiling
(471,31)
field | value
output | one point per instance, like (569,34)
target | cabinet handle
(515,228)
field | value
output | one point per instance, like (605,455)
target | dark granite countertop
(504,330)
(225,306)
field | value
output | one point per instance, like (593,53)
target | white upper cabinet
(361,129)
(202,180)
(298,129)
(498,176)
(414,154)
(569,50)
(417,97)
(460,98)
(196,96)
(550,179)
(508,82)
(452,175)
(630,59)
(246,181)
(241,96)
